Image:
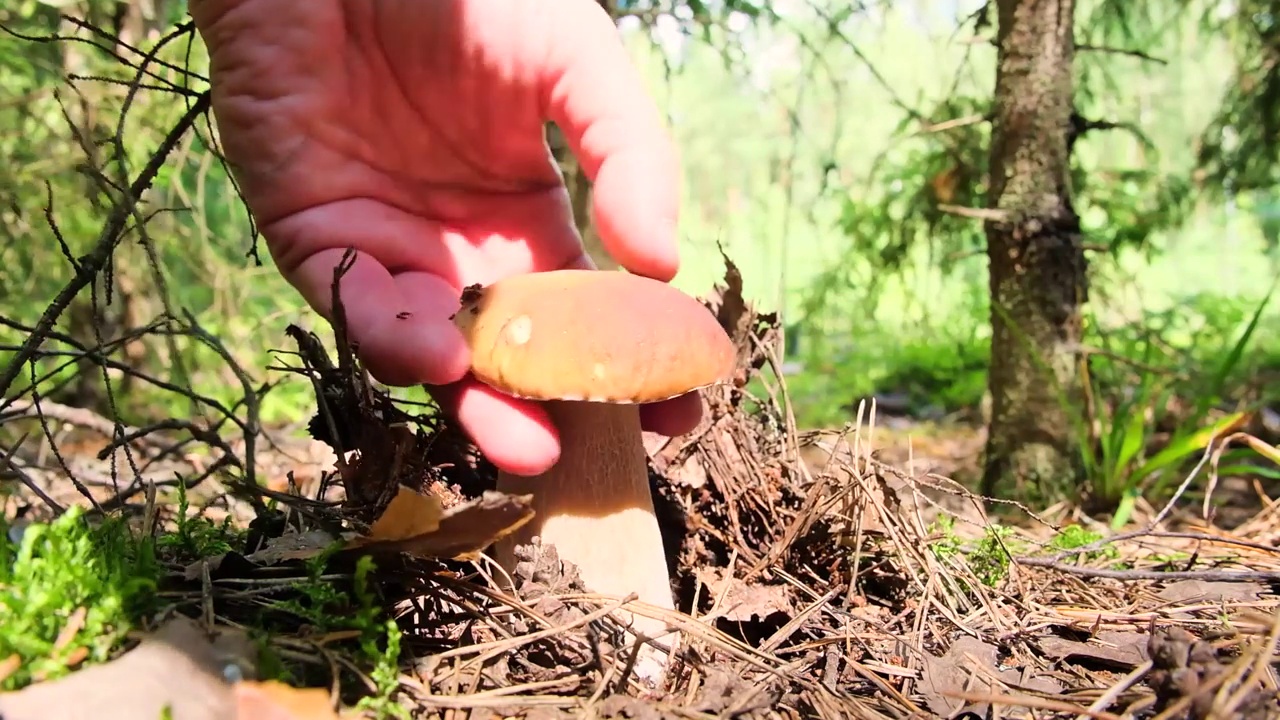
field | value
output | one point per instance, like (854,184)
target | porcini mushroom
(593,345)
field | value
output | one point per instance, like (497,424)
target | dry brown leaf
(458,533)
(177,667)
(737,601)
(1199,591)
(293,546)
(273,700)
(949,673)
(408,515)
(416,524)
(1125,650)
(955,672)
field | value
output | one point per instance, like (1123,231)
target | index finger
(593,91)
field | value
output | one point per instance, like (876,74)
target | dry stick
(1211,538)
(786,631)
(100,358)
(1182,488)
(1029,702)
(251,425)
(7,458)
(80,417)
(1255,668)
(110,236)
(493,648)
(805,516)
(88,419)
(1206,575)
(1145,533)
(1148,531)
(57,453)
(129,205)
(1114,692)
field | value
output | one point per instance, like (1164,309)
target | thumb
(594,93)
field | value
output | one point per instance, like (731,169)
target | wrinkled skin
(411,130)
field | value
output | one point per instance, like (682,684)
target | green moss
(68,566)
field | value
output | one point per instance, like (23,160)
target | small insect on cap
(592,335)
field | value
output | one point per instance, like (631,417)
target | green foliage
(890,309)
(325,608)
(191,255)
(196,538)
(62,568)
(1072,537)
(1240,148)
(111,574)
(839,151)
(1143,387)
(385,676)
(988,558)
(939,370)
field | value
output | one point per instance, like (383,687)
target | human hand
(412,131)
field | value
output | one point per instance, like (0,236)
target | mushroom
(593,345)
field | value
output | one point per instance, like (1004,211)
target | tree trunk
(579,186)
(1037,264)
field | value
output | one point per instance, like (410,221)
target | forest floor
(819,575)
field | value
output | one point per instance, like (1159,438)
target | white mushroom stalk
(593,345)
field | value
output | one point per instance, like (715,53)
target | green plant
(385,675)
(1125,417)
(326,608)
(70,571)
(939,365)
(989,561)
(195,538)
(1076,536)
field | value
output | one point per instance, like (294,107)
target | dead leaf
(178,667)
(459,533)
(1199,591)
(408,515)
(293,546)
(1125,650)
(941,675)
(722,689)
(737,601)
(416,524)
(955,672)
(273,700)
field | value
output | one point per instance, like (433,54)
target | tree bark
(1038,269)
(579,186)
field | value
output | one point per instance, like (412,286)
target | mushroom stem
(594,506)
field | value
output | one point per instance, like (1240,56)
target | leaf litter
(841,587)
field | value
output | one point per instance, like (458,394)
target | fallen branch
(1205,575)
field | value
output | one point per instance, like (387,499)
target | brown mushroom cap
(593,335)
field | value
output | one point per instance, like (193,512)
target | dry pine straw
(816,590)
